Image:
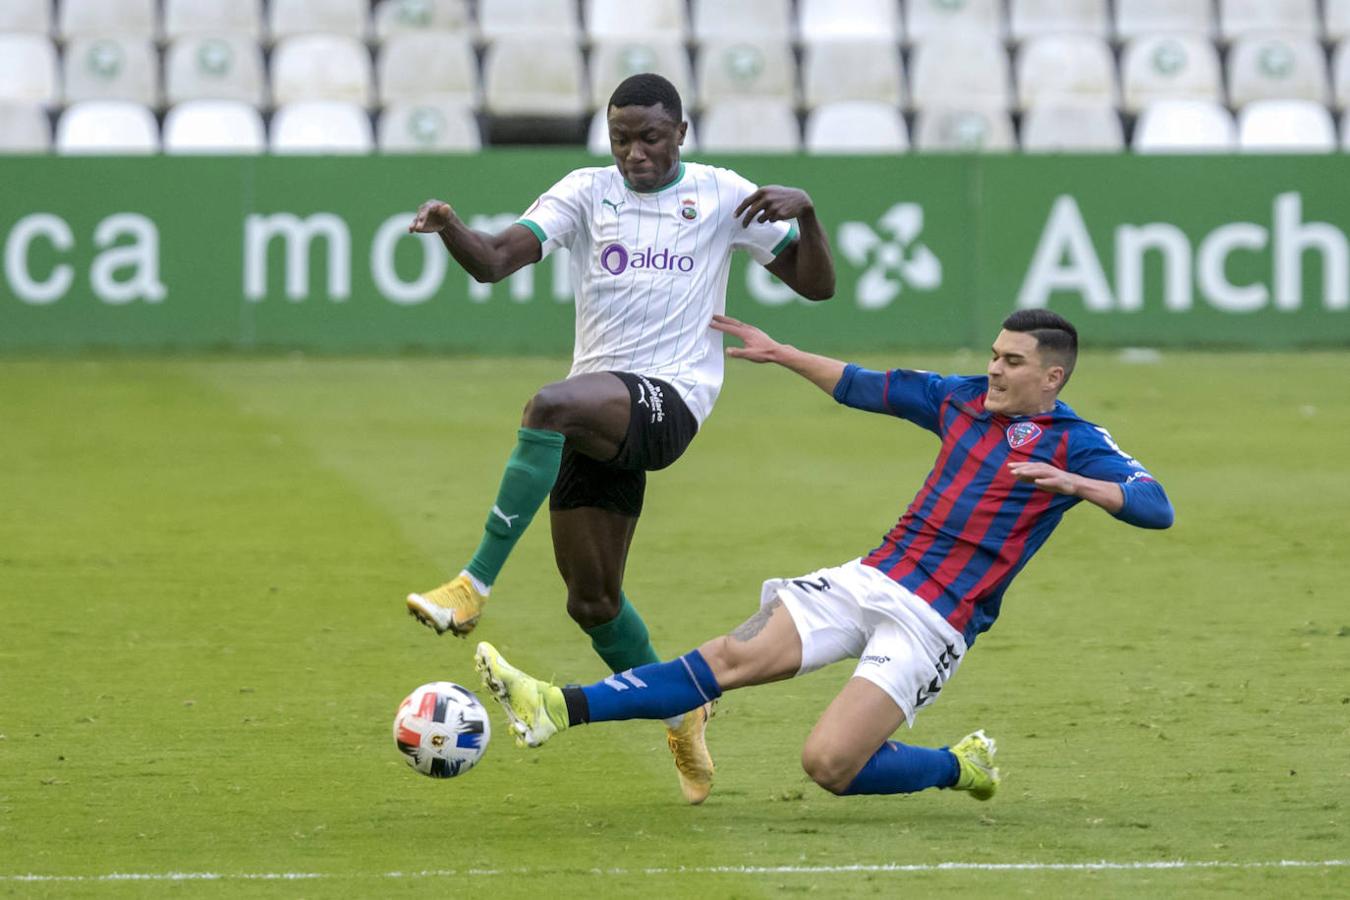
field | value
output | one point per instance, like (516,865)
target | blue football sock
(654,691)
(898,768)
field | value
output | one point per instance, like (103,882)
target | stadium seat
(1072,128)
(1170,66)
(745,19)
(1340,75)
(109,127)
(411,16)
(112,67)
(1138,18)
(964,129)
(851,69)
(1184,126)
(831,20)
(1337,20)
(1061,67)
(856,127)
(935,18)
(750,126)
(611,20)
(198,17)
(597,137)
(1034,18)
(215,67)
(289,18)
(321,126)
(613,61)
(428,126)
(745,68)
(1286,126)
(26,17)
(24,128)
(960,69)
(1239,18)
(321,67)
(438,64)
(28,69)
(533,76)
(129,18)
(228,127)
(555,18)
(1276,68)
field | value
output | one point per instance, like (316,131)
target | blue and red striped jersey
(973,526)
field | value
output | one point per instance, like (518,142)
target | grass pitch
(202,566)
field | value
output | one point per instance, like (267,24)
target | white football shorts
(854,611)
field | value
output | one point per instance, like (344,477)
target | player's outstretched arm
(807,266)
(822,371)
(487,257)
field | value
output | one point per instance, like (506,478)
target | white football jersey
(649,270)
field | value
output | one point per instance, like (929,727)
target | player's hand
(431,217)
(759,347)
(1046,477)
(773,203)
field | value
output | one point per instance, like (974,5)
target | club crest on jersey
(1022,433)
(687,209)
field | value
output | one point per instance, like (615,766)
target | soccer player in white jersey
(651,239)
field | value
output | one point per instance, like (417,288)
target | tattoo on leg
(755,624)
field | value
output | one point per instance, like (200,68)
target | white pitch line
(1102,866)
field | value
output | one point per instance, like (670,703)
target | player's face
(1020,383)
(646,143)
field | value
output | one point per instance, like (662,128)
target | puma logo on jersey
(614,205)
(496,511)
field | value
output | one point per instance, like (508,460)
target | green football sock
(623,642)
(529,476)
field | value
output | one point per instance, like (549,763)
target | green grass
(202,565)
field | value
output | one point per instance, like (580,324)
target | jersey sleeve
(762,240)
(910,394)
(1094,454)
(557,216)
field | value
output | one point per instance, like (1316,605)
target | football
(441,729)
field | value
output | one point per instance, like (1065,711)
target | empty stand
(1139,18)
(851,69)
(111,67)
(437,64)
(1066,68)
(198,17)
(960,69)
(321,67)
(1239,18)
(322,127)
(1072,128)
(393,17)
(107,127)
(428,126)
(614,60)
(1170,66)
(1286,126)
(1276,68)
(748,19)
(746,68)
(297,17)
(28,17)
(554,18)
(1337,19)
(215,67)
(612,20)
(1184,126)
(1034,18)
(829,20)
(964,129)
(24,128)
(856,127)
(214,126)
(28,69)
(133,18)
(750,126)
(935,18)
(533,76)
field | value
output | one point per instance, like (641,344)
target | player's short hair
(1056,338)
(648,89)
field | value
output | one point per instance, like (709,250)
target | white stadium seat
(1276,68)
(411,16)
(761,67)
(215,67)
(611,20)
(935,18)
(1170,67)
(960,69)
(1184,126)
(24,128)
(321,67)
(856,127)
(744,19)
(597,138)
(498,18)
(613,61)
(428,126)
(1137,18)
(830,20)
(228,127)
(196,17)
(1072,128)
(1238,18)
(964,129)
(534,76)
(134,18)
(851,69)
(437,64)
(1345,130)
(1340,75)
(750,126)
(112,67)
(321,127)
(26,16)
(1033,18)
(1286,126)
(296,17)
(1066,67)
(107,127)
(28,69)
(1337,19)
